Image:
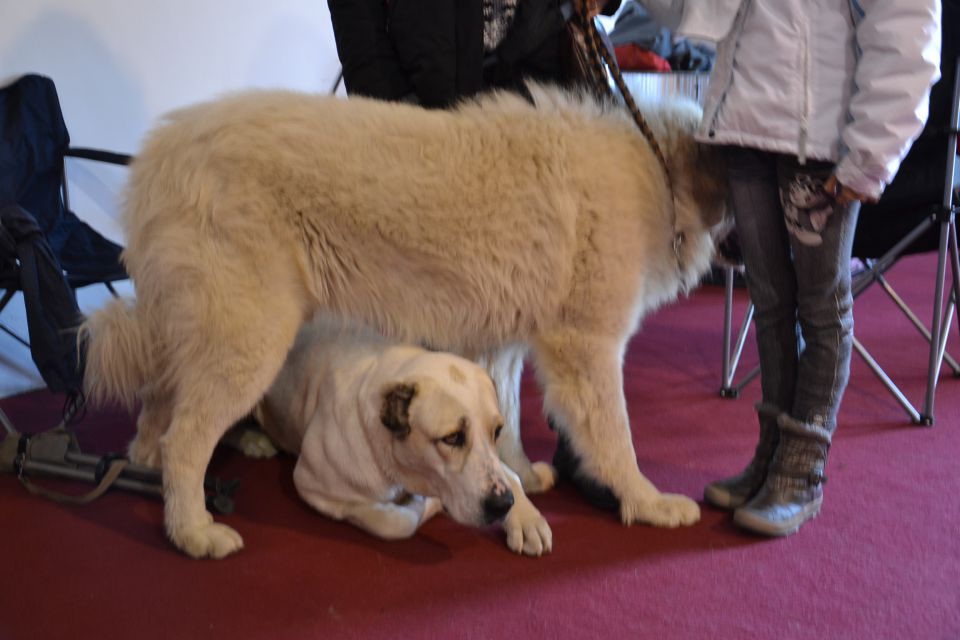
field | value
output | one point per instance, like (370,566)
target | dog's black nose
(496,506)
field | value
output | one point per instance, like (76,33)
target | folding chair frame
(72,152)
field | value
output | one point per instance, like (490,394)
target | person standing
(816,104)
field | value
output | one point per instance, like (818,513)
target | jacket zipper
(805,116)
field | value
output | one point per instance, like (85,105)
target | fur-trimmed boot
(793,490)
(733,492)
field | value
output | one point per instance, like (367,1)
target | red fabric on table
(633,57)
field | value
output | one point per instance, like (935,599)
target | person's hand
(843,194)
(593,6)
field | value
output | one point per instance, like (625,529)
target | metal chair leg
(938,344)
(732,353)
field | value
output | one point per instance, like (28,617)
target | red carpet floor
(881,561)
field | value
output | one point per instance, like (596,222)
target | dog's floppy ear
(395,412)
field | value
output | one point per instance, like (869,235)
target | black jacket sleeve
(370,63)
(425,35)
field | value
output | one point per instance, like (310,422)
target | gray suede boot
(793,490)
(733,492)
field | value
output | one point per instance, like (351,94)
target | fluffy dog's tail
(120,353)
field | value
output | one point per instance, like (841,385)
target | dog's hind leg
(583,393)
(187,448)
(153,421)
(225,369)
(505,367)
(249,439)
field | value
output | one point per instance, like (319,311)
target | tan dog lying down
(388,435)
(488,230)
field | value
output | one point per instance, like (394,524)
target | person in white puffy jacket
(816,104)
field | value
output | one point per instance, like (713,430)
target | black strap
(98,155)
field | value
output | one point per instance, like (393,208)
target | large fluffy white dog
(388,435)
(496,227)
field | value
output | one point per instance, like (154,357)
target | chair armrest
(98,155)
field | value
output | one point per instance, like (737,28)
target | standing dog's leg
(505,367)
(187,447)
(226,364)
(583,392)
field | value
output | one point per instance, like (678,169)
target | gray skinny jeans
(796,243)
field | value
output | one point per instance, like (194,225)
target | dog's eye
(496,433)
(455,439)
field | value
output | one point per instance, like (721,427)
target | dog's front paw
(667,510)
(539,478)
(209,540)
(527,530)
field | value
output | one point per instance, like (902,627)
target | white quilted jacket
(841,80)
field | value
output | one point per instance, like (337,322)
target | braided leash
(599,55)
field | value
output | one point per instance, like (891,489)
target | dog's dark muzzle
(496,506)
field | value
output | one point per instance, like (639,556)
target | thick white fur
(484,231)
(328,405)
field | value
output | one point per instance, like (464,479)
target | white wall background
(120,64)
